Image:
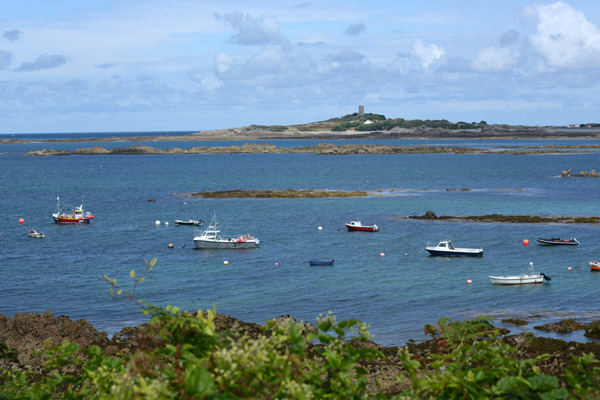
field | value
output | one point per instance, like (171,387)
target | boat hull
(361,228)
(557,242)
(66,220)
(516,279)
(226,244)
(321,262)
(455,253)
(594,265)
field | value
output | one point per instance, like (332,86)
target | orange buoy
(570,269)
(277,264)
(469,282)
(170,245)
(21,221)
(525,242)
(382,254)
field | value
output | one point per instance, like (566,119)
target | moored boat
(557,242)
(524,278)
(445,248)
(313,262)
(357,226)
(76,216)
(36,234)
(594,265)
(190,221)
(211,239)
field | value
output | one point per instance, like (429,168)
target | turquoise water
(397,294)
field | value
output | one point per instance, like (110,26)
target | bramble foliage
(195,361)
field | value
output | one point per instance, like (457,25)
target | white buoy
(320,228)
(570,269)
(166,223)
(225,262)
(157,222)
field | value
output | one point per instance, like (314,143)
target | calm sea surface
(396,294)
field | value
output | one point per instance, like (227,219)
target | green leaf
(506,384)
(153,262)
(543,383)
(198,382)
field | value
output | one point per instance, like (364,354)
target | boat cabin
(446,244)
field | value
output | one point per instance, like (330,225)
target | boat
(445,248)
(190,221)
(210,239)
(321,262)
(76,216)
(557,241)
(36,234)
(524,278)
(594,265)
(357,226)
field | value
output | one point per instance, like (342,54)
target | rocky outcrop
(566,173)
(510,219)
(260,148)
(277,194)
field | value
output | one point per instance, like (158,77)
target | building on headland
(361,110)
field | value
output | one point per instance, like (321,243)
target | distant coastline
(353,126)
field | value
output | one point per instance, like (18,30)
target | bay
(396,294)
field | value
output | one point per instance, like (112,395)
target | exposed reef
(259,148)
(512,219)
(566,173)
(277,194)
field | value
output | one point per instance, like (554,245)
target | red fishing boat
(357,226)
(594,265)
(76,216)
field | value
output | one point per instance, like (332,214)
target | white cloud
(251,31)
(564,37)
(494,58)
(427,54)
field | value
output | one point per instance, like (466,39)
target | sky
(192,65)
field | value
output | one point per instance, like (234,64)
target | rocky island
(509,219)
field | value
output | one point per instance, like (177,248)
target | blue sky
(149,65)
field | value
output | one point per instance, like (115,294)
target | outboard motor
(546,277)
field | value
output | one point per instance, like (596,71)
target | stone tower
(361,110)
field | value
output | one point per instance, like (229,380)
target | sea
(385,279)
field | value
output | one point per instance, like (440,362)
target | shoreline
(26,333)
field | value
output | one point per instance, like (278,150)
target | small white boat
(210,239)
(445,248)
(190,221)
(594,265)
(524,278)
(36,234)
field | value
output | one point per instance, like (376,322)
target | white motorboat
(190,221)
(36,234)
(210,239)
(445,248)
(524,278)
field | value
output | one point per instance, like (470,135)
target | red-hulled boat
(357,226)
(75,216)
(594,265)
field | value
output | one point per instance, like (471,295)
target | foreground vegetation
(183,356)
